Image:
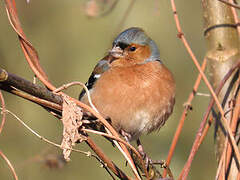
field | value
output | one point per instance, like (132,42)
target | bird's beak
(116,52)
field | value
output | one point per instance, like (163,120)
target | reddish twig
(183,117)
(3,112)
(187,166)
(29,51)
(9,165)
(206,128)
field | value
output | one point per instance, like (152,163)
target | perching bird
(131,85)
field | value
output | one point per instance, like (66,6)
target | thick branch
(24,85)
(223,51)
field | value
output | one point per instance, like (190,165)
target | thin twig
(206,128)
(9,165)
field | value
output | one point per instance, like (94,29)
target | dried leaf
(71,119)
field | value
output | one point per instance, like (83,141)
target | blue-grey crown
(138,36)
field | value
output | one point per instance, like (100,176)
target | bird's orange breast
(138,99)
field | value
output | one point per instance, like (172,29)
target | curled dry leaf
(71,119)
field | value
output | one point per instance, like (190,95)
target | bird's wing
(100,68)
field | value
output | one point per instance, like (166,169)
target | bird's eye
(132,48)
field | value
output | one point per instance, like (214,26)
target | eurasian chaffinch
(132,86)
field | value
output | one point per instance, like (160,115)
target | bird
(132,86)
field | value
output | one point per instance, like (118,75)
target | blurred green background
(69,44)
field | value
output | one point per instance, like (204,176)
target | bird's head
(134,46)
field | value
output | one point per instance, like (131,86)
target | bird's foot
(150,162)
(147,159)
